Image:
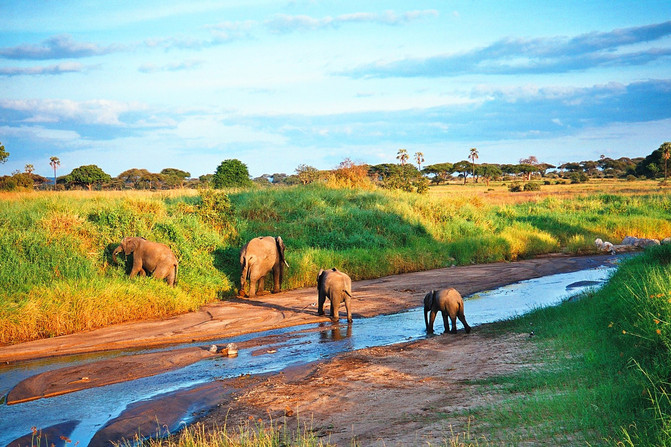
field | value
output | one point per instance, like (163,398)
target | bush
(231,173)
(532,186)
(515,187)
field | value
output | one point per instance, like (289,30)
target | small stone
(213,348)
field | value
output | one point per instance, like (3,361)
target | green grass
(57,277)
(603,366)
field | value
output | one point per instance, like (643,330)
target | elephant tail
(347,292)
(246,262)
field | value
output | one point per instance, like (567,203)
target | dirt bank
(229,318)
(397,395)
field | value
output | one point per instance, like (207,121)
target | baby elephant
(338,287)
(149,258)
(448,302)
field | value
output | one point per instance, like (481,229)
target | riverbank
(233,317)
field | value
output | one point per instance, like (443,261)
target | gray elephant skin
(259,257)
(450,304)
(149,258)
(337,286)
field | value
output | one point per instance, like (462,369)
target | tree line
(403,175)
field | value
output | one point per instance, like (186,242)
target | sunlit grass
(602,366)
(56,246)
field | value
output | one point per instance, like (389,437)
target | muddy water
(81,414)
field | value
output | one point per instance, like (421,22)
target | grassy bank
(602,377)
(57,277)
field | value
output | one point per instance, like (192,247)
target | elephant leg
(320,303)
(453,318)
(462,318)
(348,302)
(243,283)
(335,308)
(432,318)
(137,269)
(252,286)
(276,278)
(262,286)
(446,320)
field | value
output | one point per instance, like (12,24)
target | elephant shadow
(227,261)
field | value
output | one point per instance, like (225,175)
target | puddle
(273,351)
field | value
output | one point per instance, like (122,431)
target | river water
(85,412)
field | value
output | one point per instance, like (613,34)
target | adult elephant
(337,286)
(257,258)
(450,304)
(149,258)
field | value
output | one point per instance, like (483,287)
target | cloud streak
(533,56)
(57,47)
(58,69)
(283,23)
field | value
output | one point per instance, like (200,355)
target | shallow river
(85,412)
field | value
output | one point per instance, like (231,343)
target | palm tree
(419,159)
(473,156)
(402,156)
(55,163)
(666,154)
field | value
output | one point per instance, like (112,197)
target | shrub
(515,187)
(532,186)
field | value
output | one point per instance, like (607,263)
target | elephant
(149,257)
(338,287)
(448,302)
(257,258)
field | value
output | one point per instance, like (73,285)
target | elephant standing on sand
(150,258)
(257,258)
(448,302)
(338,287)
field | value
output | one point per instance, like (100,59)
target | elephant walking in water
(450,303)
(257,258)
(338,287)
(149,257)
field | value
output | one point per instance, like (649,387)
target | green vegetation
(57,275)
(231,174)
(603,366)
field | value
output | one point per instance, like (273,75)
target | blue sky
(165,84)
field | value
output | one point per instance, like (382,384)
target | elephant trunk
(118,250)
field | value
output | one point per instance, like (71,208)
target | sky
(276,84)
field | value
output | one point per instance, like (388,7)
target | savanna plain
(596,371)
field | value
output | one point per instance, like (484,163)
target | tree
(419,159)
(55,163)
(441,171)
(29,168)
(402,156)
(307,174)
(463,167)
(473,155)
(3,154)
(231,173)
(666,154)
(489,172)
(88,176)
(174,176)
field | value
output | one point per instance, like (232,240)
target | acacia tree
(463,167)
(3,154)
(88,176)
(55,163)
(307,174)
(231,173)
(440,171)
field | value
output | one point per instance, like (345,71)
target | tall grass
(604,364)
(56,274)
